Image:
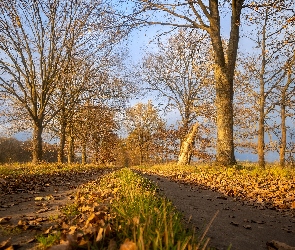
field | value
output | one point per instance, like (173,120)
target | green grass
(134,212)
(143,216)
(9,230)
(70,210)
(47,241)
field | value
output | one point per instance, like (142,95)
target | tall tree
(38,40)
(286,96)
(266,68)
(207,16)
(181,73)
(143,122)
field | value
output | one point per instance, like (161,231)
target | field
(93,207)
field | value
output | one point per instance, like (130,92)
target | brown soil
(32,207)
(237,224)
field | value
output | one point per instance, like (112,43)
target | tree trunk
(224,74)
(260,146)
(283,116)
(187,146)
(37,143)
(261,129)
(84,156)
(62,142)
(224,96)
(284,132)
(70,148)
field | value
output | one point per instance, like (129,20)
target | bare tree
(206,16)
(286,96)
(266,68)
(181,73)
(38,41)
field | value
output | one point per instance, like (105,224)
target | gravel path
(241,226)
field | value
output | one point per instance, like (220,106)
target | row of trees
(62,73)
(263,81)
(56,58)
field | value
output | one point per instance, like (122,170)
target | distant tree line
(13,150)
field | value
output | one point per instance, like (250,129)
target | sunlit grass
(47,241)
(149,220)
(21,169)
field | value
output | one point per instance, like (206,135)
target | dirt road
(237,224)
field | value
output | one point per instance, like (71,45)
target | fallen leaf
(91,219)
(72,229)
(30,241)
(4,220)
(39,199)
(22,223)
(86,208)
(64,225)
(128,245)
(48,231)
(83,243)
(5,244)
(99,235)
(234,223)
(43,210)
(278,245)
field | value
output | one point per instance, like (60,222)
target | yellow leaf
(83,243)
(91,219)
(5,219)
(72,229)
(39,198)
(128,245)
(99,234)
(86,208)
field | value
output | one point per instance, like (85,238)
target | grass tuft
(47,241)
(151,221)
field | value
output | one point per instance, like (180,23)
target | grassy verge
(121,211)
(27,169)
(272,187)
(150,221)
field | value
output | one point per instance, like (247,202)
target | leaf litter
(264,198)
(48,204)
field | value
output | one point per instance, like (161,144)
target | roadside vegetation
(270,187)
(123,210)
(120,209)
(20,169)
